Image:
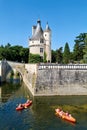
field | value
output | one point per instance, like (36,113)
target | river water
(41,114)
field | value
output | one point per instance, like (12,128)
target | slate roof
(38,32)
(47,27)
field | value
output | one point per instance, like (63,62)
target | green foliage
(78,47)
(14,53)
(12,74)
(53,53)
(17,74)
(85,49)
(66,54)
(76,52)
(35,58)
(59,55)
(45,56)
(20,54)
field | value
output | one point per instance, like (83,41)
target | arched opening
(14,76)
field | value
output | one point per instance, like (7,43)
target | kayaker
(58,109)
(67,114)
(20,105)
(61,113)
(28,101)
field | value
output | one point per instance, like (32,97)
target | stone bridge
(7,66)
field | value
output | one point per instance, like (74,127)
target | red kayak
(20,107)
(27,104)
(65,115)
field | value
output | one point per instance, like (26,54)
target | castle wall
(30,77)
(50,79)
(61,82)
(58,80)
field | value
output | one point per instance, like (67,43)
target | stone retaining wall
(61,82)
(57,79)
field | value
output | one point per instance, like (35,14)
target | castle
(40,42)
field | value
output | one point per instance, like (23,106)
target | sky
(66,18)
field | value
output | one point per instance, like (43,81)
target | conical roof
(47,27)
(38,32)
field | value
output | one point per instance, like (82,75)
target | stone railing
(62,66)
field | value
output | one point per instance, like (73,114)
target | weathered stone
(50,79)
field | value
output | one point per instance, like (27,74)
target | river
(41,114)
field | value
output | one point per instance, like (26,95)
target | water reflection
(7,90)
(13,80)
(41,115)
(76,105)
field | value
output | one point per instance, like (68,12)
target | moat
(41,115)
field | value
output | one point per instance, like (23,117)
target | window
(41,50)
(41,41)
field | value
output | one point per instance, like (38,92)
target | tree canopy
(66,54)
(14,53)
(21,54)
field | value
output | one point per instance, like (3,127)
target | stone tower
(40,42)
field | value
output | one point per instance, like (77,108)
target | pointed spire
(47,27)
(38,32)
(39,22)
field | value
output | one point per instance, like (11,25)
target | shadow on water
(75,105)
(7,90)
(41,115)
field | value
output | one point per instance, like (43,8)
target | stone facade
(57,80)
(40,42)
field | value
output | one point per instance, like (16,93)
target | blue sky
(66,18)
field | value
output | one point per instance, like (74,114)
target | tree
(66,54)
(78,47)
(76,52)
(59,55)
(24,53)
(85,49)
(14,53)
(45,57)
(53,59)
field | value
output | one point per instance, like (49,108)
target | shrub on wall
(35,58)
(45,56)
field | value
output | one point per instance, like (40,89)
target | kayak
(65,116)
(27,104)
(19,108)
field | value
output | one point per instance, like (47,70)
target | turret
(40,41)
(47,37)
(47,27)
